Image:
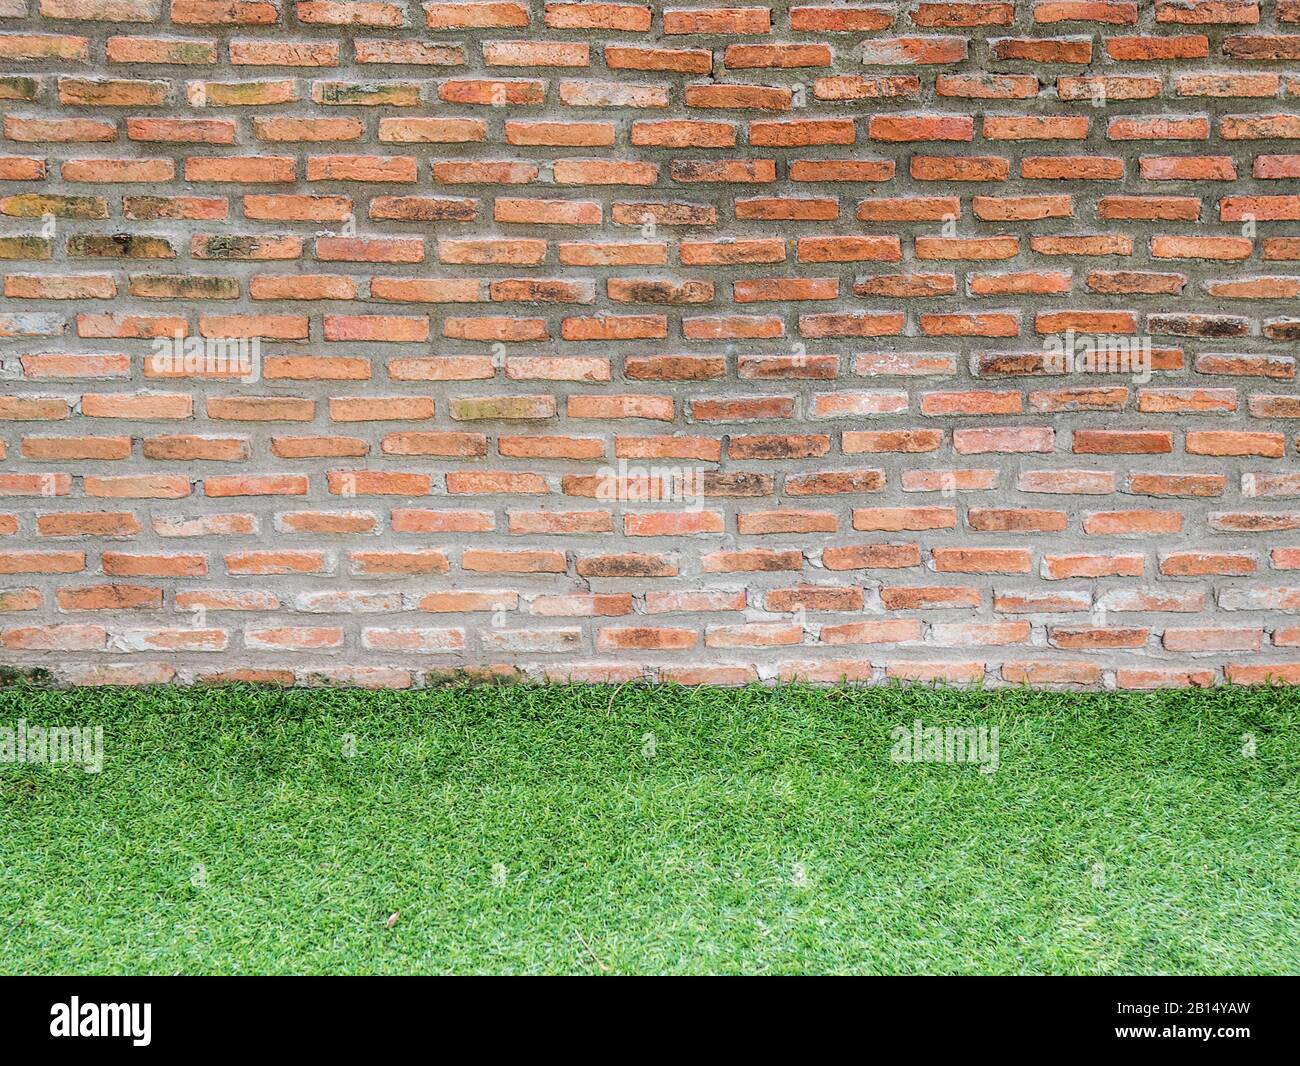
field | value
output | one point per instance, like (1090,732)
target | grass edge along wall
(376,343)
(704,830)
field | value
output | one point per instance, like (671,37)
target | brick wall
(366,341)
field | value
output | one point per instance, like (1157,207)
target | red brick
(723,271)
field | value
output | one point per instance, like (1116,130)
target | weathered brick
(698,286)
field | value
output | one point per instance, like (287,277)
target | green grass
(524,829)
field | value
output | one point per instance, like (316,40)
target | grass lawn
(647,830)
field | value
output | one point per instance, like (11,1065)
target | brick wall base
(376,342)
